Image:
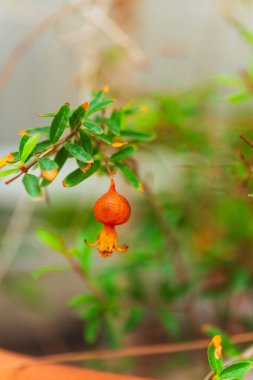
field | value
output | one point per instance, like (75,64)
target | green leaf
(39,272)
(78,176)
(106,139)
(130,176)
(123,153)
(99,102)
(78,152)
(239,97)
(236,370)
(77,117)
(27,145)
(246,33)
(215,364)
(34,131)
(52,240)
(169,321)
(137,136)
(86,142)
(8,172)
(128,110)
(93,127)
(49,168)
(22,143)
(32,186)
(111,333)
(43,145)
(91,312)
(60,122)
(134,319)
(91,330)
(46,114)
(228,346)
(250,195)
(61,157)
(230,80)
(113,126)
(81,300)
(16,157)
(117,117)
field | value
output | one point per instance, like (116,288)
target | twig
(110,28)
(29,39)
(244,161)
(108,168)
(47,152)
(134,351)
(246,140)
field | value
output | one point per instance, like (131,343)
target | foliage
(235,370)
(190,235)
(98,140)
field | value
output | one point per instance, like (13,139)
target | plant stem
(246,140)
(47,152)
(147,350)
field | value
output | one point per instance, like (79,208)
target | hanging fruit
(111,209)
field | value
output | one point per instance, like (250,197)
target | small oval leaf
(138,136)
(86,142)
(236,370)
(77,117)
(79,153)
(52,240)
(27,145)
(60,122)
(49,168)
(8,172)
(61,157)
(78,176)
(34,131)
(113,126)
(93,127)
(43,145)
(130,176)
(99,102)
(32,186)
(123,153)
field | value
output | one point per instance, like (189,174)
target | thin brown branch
(244,161)
(24,45)
(135,351)
(47,152)
(246,140)
(111,29)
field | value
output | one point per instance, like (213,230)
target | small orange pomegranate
(111,209)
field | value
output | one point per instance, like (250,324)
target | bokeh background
(190,261)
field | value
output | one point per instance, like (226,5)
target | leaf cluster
(97,139)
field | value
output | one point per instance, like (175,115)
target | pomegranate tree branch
(246,140)
(47,152)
